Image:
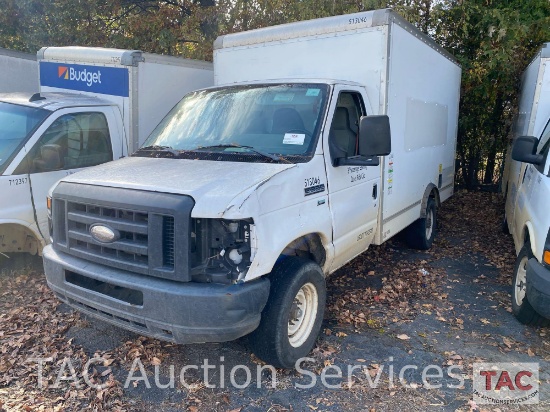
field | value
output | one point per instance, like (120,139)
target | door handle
(375,191)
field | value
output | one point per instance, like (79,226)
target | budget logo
(63,72)
(84,75)
(506,383)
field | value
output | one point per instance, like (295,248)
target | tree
(493,40)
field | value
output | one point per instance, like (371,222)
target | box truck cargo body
(18,72)
(95,105)
(526,183)
(256,189)
(405,76)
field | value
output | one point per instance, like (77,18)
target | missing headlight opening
(220,250)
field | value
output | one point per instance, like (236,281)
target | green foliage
(492,39)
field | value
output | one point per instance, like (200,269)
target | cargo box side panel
(525,119)
(356,56)
(542,99)
(529,81)
(423,98)
(161,86)
(18,72)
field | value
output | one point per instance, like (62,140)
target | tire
(521,308)
(277,341)
(421,234)
(504,226)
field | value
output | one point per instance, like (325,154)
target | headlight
(50,223)
(220,249)
(546,252)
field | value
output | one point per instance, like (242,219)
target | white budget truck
(526,183)
(18,72)
(95,105)
(248,194)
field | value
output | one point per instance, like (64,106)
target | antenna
(35,97)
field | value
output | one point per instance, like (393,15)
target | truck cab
(95,105)
(526,185)
(248,194)
(529,224)
(44,138)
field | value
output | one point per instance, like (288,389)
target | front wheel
(292,317)
(521,308)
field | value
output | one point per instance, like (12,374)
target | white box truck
(526,183)
(248,194)
(18,72)
(95,105)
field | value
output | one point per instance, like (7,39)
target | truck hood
(212,184)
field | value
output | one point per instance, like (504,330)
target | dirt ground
(389,308)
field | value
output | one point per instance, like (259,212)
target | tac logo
(506,383)
(87,76)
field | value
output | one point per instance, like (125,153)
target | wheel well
(18,238)
(309,246)
(527,239)
(434,194)
(431,192)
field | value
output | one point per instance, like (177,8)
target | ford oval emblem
(104,234)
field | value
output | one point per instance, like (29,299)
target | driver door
(353,190)
(75,139)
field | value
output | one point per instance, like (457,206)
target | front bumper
(538,287)
(181,312)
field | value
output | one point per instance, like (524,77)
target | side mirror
(374,136)
(525,150)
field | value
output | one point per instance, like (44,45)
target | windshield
(16,124)
(258,123)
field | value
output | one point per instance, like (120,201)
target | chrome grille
(132,247)
(148,226)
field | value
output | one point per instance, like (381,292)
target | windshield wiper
(163,149)
(250,148)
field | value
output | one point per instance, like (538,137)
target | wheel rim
(429,223)
(302,315)
(520,286)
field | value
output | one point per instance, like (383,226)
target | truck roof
(325,26)
(53,101)
(113,57)
(289,80)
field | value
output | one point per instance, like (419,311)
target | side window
(344,130)
(73,141)
(544,152)
(543,148)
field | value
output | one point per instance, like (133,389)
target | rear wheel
(292,318)
(421,234)
(521,308)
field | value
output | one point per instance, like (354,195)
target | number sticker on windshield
(294,138)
